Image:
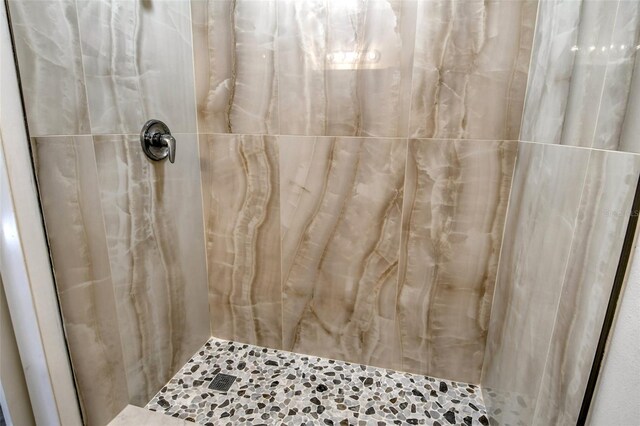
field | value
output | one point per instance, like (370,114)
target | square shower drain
(222,382)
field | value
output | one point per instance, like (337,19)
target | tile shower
(437,187)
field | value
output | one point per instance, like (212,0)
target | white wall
(617,397)
(14,397)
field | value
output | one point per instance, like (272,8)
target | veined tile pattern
(154,230)
(345,66)
(568,211)
(138,61)
(348,69)
(235,64)
(341,217)
(470,68)
(540,225)
(241,204)
(68,184)
(597,243)
(48,49)
(277,387)
(582,75)
(339,279)
(455,203)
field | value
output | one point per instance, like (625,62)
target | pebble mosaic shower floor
(281,388)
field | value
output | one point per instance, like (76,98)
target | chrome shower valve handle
(157,142)
(170,142)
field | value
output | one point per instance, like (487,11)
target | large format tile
(597,243)
(456,195)
(68,185)
(341,213)
(543,207)
(345,66)
(154,230)
(567,219)
(235,65)
(138,62)
(582,72)
(242,231)
(470,68)
(47,44)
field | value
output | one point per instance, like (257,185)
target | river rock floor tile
(275,387)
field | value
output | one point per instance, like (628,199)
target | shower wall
(568,211)
(129,263)
(320,245)
(567,218)
(384,68)
(125,234)
(584,87)
(343,187)
(376,248)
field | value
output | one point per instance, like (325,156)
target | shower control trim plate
(157,142)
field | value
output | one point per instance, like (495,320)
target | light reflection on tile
(583,88)
(345,67)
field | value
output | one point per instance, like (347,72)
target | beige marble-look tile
(138,62)
(541,223)
(456,195)
(68,185)
(47,44)
(345,66)
(582,71)
(341,217)
(235,65)
(242,230)
(470,68)
(153,222)
(597,243)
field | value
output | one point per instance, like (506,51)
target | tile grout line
(504,229)
(199,146)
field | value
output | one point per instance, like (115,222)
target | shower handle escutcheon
(157,142)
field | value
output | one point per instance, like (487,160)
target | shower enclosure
(440,187)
